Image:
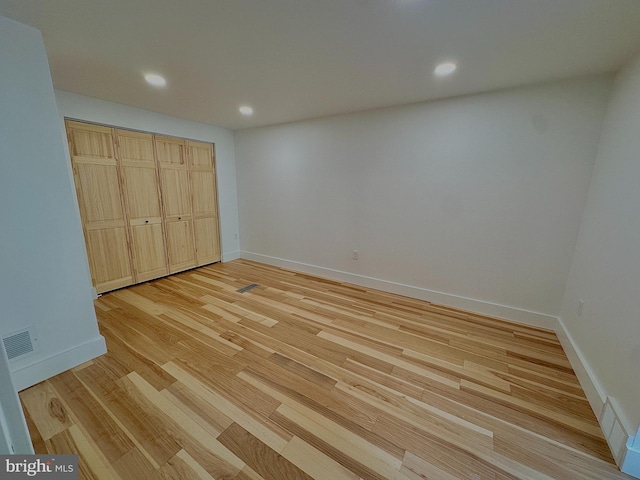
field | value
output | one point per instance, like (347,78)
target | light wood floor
(307,378)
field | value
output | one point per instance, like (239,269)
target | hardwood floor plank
(198,331)
(36,439)
(91,461)
(91,465)
(333,406)
(551,460)
(196,468)
(177,469)
(46,410)
(303,371)
(315,463)
(431,421)
(183,428)
(122,359)
(129,322)
(208,418)
(363,354)
(292,407)
(483,410)
(417,468)
(384,380)
(112,441)
(226,383)
(451,458)
(260,427)
(305,377)
(566,419)
(248,474)
(262,459)
(135,464)
(144,428)
(352,445)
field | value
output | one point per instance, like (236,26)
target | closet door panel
(180,245)
(91,141)
(204,193)
(171,152)
(204,198)
(176,202)
(149,251)
(142,198)
(141,190)
(99,192)
(201,154)
(175,193)
(96,175)
(110,268)
(207,245)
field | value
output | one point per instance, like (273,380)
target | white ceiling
(299,59)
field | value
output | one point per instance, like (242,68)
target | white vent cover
(20,343)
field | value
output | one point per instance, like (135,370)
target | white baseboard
(615,430)
(513,314)
(587,378)
(227,257)
(45,368)
(615,426)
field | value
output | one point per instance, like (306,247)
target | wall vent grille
(18,344)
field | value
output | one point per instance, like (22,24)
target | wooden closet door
(96,175)
(176,200)
(205,202)
(142,199)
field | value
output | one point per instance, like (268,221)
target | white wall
(605,271)
(44,282)
(99,111)
(478,198)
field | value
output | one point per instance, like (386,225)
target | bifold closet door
(96,175)
(205,205)
(148,203)
(142,200)
(176,200)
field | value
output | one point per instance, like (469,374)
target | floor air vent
(247,288)
(19,344)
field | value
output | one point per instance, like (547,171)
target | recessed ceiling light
(155,80)
(444,69)
(246,110)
